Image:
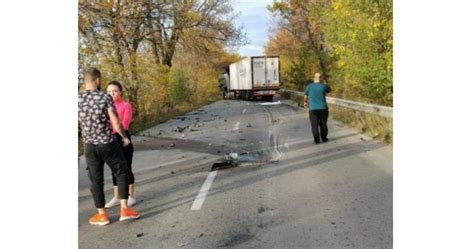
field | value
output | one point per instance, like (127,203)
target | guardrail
(384,111)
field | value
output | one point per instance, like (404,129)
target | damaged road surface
(246,174)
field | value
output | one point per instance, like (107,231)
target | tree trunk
(134,84)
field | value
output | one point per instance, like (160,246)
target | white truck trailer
(252,77)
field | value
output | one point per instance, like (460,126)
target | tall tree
(123,31)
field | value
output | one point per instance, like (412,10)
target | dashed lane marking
(201,197)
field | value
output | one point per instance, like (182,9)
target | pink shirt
(124,111)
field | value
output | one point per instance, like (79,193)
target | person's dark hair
(94,73)
(115,83)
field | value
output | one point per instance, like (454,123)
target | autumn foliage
(349,41)
(167,54)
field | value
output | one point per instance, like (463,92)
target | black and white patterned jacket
(94,118)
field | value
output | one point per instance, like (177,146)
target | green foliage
(180,90)
(348,40)
(359,34)
(303,67)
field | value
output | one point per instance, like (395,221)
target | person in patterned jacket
(95,109)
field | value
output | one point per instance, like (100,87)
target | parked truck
(251,78)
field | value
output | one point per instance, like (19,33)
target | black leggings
(128,153)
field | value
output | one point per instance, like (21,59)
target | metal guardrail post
(384,111)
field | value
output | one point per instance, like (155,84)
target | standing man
(95,110)
(318,108)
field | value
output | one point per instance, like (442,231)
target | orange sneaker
(99,219)
(128,214)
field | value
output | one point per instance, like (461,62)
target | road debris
(181,244)
(227,161)
(181,129)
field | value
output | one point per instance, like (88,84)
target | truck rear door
(273,79)
(259,72)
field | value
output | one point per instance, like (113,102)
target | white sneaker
(131,201)
(112,203)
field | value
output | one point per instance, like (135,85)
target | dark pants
(128,153)
(96,156)
(319,120)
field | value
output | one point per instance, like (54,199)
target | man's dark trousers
(96,156)
(319,120)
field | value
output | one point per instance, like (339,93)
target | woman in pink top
(124,111)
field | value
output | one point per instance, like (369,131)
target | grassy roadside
(145,122)
(375,126)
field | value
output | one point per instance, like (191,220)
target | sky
(256,21)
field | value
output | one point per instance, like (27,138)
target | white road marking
(197,204)
(236,127)
(244,110)
(271,103)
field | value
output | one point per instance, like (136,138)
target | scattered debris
(172,145)
(261,210)
(228,161)
(181,129)
(181,244)
(222,165)
(234,155)
(249,125)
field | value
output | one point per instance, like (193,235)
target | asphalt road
(284,191)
